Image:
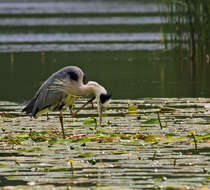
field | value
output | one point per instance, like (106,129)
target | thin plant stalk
(195,142)
(161,126)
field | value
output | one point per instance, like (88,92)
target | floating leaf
(35,149)
(85,155)
(132,109)
(171,135)
(11,115)
(90,121)
(151,121)
(164,108)
(52,141)
(203,137)
(16,138)
(39,136)
(80,139)
(125,137)
(148,138)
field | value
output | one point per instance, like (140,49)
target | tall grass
(190,34)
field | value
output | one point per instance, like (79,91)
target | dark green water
(117,43)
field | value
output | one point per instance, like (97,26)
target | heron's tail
(29,108)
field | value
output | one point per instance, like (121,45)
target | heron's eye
(73,75)
(105,97)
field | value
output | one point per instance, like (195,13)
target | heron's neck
(85,90)
(91,88)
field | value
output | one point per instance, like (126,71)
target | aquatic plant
(188,21)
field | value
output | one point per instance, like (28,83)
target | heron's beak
(101,101)
(100,112)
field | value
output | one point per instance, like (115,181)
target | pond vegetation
(149,143)
(188,21)
(130,151)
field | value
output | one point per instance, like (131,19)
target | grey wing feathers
(28,109)
(47,95)
(44,98)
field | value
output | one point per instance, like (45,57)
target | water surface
(117,43)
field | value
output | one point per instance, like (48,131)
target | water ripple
(79,47)
(80,21)
(92,6)
(76,37)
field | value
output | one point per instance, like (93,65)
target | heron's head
(102,97)
(100,92)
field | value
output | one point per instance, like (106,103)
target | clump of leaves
(15,138)
(12,140)
(41,136)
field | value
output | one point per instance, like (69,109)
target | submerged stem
(161,126)
(154,155)
(195,142)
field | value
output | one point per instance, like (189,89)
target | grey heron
(61,90)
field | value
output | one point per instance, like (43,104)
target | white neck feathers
(92,87)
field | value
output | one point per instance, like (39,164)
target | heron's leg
(100,114)
(61,121)
(79,109)
(47,116)
(71,111)
(92,104)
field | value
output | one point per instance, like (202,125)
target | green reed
(188,30)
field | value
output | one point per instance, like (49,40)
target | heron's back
(50,96)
